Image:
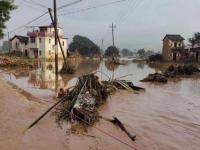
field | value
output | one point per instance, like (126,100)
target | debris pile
(155,77)
(6,62)
(172,72)
(89,93)
(83,100)
(186,69)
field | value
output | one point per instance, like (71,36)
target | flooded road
(164,117)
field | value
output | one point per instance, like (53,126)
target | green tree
(195,39)
(84,46)
(5,9)
(141,52)
(126,52)
(111,51)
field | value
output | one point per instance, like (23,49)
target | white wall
(16,45)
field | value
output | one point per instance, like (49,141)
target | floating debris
(155,77)
(186,69)
(172,72)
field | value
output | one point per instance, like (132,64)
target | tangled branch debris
(81,103)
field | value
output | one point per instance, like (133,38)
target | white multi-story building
(41,43)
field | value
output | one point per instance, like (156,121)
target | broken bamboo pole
(46,112)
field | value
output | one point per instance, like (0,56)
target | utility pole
(113,38)
(9,44)
(56,38)
(102,44)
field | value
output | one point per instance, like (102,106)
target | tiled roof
(22,39)
(174,37)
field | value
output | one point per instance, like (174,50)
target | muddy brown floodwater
(164,117)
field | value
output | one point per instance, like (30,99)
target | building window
(49,52)
(63,43)
(40,40)
(32,39)
(175,44)
(49,41)
(40,53)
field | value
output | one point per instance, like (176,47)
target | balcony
(42,34)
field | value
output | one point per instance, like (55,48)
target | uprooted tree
(5,8)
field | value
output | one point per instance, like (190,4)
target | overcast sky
(139,23)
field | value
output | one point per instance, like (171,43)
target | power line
(116,20)
(69,4)
(135,5)
(132,6)
(31,21)
(104,132)
(35,3)
(92,7)
(30,5)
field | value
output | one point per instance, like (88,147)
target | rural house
(175,50)
(19,44)
(42,42)
(173,47)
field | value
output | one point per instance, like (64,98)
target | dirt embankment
(6,61)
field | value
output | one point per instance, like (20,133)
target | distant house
(41,42)
(173,47)
(19,43)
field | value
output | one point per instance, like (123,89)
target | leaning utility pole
(56,38)
(113,39)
